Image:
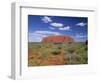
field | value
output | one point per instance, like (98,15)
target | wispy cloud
(33,37)
(81,24)
(56,24)
(65,28)
(37,36)
(60,26)
(52,28)
(47,33)
(46,19)
(80,35)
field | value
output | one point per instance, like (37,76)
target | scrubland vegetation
(41,54)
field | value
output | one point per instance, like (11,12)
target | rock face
(57,39)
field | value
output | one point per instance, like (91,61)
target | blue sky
(43,26)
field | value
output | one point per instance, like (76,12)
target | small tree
(86,42)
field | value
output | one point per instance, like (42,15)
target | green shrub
(56,52)
(71,50)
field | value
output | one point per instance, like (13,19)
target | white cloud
(56,24)
(47,33)
(81,24)
(80,35)
(46,19)
(65,28)
(60,26)
(37,36)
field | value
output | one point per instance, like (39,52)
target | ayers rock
(57,39)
